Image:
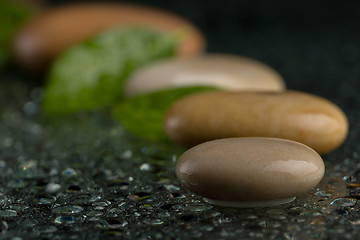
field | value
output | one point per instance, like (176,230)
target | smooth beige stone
(250,172)
(297,116)
(223,71)
(52,31)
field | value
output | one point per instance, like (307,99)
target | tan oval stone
(297,116)
(250,172)
(48,34)
(223,71)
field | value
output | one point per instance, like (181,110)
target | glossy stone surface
(228,72)
(297,116)
(250,169)
(51,32)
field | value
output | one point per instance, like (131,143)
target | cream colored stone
(250,172)
(52,31)
(292,115)
(223,71)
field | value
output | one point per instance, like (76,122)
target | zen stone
(52,31)
(250,172)
(223,71)
(297,116)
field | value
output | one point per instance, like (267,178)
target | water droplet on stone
(322,194)
(30,108)
(18,207)
(2,163)
(64,219)
(85,199)
(16,183)
(145,167)
(170,187)
(69,172)
(310,213)
(8,213)
(117,222)
(344,202)
(94,214)
(44,200)
(103,224)
(29,223)
(177,195)
(151,221)
(67,209)
(52,187)
(198,207)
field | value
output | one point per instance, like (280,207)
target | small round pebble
(250,172)
(292,115)
(52,31)
(218,70)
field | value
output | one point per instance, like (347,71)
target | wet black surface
(85,178)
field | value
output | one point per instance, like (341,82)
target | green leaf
(12,14)
(91,74)
(143,115)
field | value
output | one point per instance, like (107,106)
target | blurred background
(313,44)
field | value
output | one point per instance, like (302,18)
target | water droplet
(64,219)
(102,203)
(322,194)
(52,187)
(28,165)
(310,213)
(170,187)
(198,207)
(68,209)
(126,155)
(30,108)
(44,200)
(344,202)
(8,213)
(94,214)
(28,223)
(117,222)
(276,211)
(85,199)
(16,183)
(69,172)
(145,167)
(18,207)
(2,163)
(103,224)
(177,195)
(153,222)
(117,185)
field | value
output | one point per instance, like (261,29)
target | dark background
(313,44)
